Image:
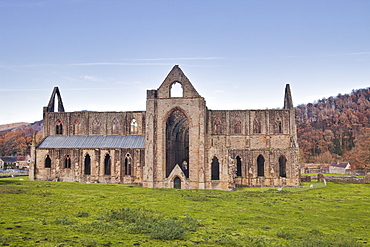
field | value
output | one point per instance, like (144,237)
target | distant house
(7,161)
(340,168)
(14,162)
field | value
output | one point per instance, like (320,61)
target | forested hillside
(336,129)
(15,139)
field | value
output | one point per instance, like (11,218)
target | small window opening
(128,165)
(47,162)
(176,90)
(177,183)
(87,165)
(67,162)
(238,166)
(107,165)
(59,127)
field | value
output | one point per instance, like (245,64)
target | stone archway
(177,183)
(177,142)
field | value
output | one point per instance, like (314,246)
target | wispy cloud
(219,91)
(359,53)
(90,78)
(22,89)
(179,58)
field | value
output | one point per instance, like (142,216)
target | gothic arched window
(115,127)
(215,169)
(87,165)
(278,126)
(134,127)
(128,165)
(217,126)
(77,126)
(59,127)
(176,90)
(238,166)
(282,166)
(237,128)
(96,127)
(67,162)
(107,165)
(256,126)
(260,166)
(47,161)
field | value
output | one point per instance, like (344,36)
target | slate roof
(9,159)
(342,165)
(93,142)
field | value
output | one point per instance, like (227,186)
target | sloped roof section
(93,142)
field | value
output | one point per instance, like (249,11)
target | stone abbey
(176,143)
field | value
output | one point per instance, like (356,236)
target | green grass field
(39,213)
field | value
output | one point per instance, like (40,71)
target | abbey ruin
(176,143)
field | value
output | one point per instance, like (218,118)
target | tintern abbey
(176,143)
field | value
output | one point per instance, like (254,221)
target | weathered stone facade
(177,142)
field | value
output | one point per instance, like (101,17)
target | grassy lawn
(39,213)
(335,175)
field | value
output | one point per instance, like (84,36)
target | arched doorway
(107,165)
(238,166)
(177,142)
(215,169)
(260,166)
(282,166)
(177,183)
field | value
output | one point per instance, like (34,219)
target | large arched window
(87,165)
(77,126)
(176,90)
(67,162)
(134,127)
(107,165)
(217,129)
(128,165)
(96,127)
(177,142)
(115,127)
(238,166)
(47,161)
(260,166)
(256,126)
(59,127)
(215,169)
(282,166)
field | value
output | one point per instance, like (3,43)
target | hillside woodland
(331,129)
(16,139)
(336,129)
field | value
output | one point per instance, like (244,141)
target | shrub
(62,221)
(285,235)
(167,230)
(82,214)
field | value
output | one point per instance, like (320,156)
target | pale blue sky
(105,54)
